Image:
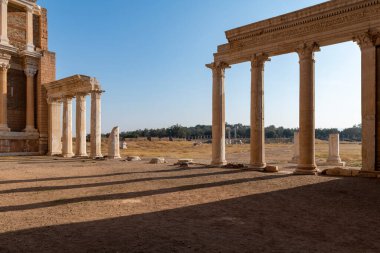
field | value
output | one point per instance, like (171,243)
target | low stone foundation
(19,143)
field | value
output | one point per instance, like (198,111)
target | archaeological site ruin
(304,32)
(31,98)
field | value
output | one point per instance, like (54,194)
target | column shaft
(257,112)
(80,139)
(4,22)
(96,138)
(306,163)
(3,96)
(29,29)
(30,119)
(368,68)
(67,145)
(218,114)
(54,128)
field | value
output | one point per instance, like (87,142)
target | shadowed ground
(114,206)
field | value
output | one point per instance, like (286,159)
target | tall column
(4,40)
(306,163)
(54,127)
(67,145)
(96,132)
(218,114)
(80,139)
(257,111)
(29,29)
(30,72)
(4,66)
(366,42)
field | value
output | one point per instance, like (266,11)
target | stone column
(54,127)
(96,132)
(366,42)
(4,40)
(218,114)
(80,139)
(334,157)
(67,145)
(257,112)
(29,29)
(296,148)
(306,163)
(4,66)
(30,72)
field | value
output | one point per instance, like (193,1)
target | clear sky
(149,56)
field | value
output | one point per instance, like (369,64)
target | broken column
(113,144)
(334,157)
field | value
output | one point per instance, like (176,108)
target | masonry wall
(46,74)
(377,136)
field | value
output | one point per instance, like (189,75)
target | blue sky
(149,56)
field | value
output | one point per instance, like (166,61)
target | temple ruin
(303,32)
(31,99)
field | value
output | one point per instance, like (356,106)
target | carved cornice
(306,51)
(367,39)
(258,60)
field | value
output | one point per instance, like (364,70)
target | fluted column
(257,112)
(30,72)
(367,41)
(67,145)
(4,66)
(218,114)
(306,163)
(54,127)
(96,132)
(4,40)
(80,139)
(29,29)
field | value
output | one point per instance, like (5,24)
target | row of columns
(60,140)
(306,161)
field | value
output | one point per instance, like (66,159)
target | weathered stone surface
(342,172)
(334,157)
(113,144)
(296,148)
(133,158)
(157,160)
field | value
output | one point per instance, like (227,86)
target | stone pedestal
(218,114)
(296,148)
(96,134)
(257,112)
(80,138)
(113,144)
(67,145)
(334,157)
(306,162)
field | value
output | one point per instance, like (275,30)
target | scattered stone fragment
(157,160)
(343,172)
(184,162)
(133,158)
(113,144)
(271,169)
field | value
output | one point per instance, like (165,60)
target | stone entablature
(328,23)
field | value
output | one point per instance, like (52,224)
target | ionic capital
(367,39)
(306,51)
(258,60)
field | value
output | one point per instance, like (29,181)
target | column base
(4,128)
(306,170)
(114,157)
(67,155)
(259,167)
(218,163)
(30,129)
(81,156)
(96,156)
(30,48)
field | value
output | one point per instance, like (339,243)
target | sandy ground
(75,205)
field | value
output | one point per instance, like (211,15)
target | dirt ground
(78,205)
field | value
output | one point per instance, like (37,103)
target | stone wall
(16,100)
(17,27)
(377,154)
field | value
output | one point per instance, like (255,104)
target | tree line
(241,132)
